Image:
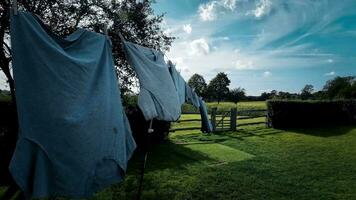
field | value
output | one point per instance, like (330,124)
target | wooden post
(213,118)
(233,118)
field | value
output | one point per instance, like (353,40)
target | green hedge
(300,114)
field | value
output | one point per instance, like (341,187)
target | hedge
(300,114)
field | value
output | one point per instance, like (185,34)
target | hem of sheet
(40,155)
(38,158)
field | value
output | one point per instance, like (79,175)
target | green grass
(226,106)
(253,162)
(5,98)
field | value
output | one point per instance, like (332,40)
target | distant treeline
(218,90)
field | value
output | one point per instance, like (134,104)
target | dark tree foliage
(237,94)
(134,19)
(198,83)
(218,88)
(341,88)
(307,91)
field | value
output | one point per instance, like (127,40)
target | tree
(237,94)
(198,83)
(135,20)
(284,95)
(269,95)
(218,87)
(307,91)
(341,87)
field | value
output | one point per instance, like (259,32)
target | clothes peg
(106,29)
(14,6)
(121,37)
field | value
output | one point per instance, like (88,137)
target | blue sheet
(179,83)
(74,137)
(158,97)
(191,96)
(206,126)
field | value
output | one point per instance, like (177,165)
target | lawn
(226,106)
(240,105)
(253,162)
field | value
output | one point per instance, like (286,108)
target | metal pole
(145,149)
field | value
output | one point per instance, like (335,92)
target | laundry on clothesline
(158,97)
(74,136)
(191,97)
(179,83)
(206,126)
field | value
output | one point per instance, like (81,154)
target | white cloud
(230,4)
(207,12)
(187,28)
(263,7)
(330,74)
(168,31)
(178,61)
(267,74)
(199,47)
(330,60)
(226,38)
(241,64)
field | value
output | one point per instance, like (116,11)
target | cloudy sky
(263,44)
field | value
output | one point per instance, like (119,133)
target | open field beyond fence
(253,162)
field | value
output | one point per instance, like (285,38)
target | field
(225,106)
(253,162)
(240,105)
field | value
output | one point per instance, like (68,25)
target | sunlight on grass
(220,153)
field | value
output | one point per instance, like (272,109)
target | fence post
(233,118)
(213,118)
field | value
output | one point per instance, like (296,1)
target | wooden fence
(225,120)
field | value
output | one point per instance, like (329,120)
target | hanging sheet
(74,137)
(178,81)
(191,97)
(158,97)
(206,126)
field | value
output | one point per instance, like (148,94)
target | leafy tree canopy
(135,20)
(341,87)
(218,88)
(237,94)
(198,83)
(307,91)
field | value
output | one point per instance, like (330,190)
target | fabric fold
(68,104)
(158,97)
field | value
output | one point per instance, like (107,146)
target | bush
(139,128)
(8,136)
(189,109)
(300,114)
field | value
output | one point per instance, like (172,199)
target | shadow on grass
(241,134)
(168,156)
(325,131)
(199,138)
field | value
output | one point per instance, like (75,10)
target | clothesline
(59,131)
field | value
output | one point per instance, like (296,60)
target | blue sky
(263,44)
